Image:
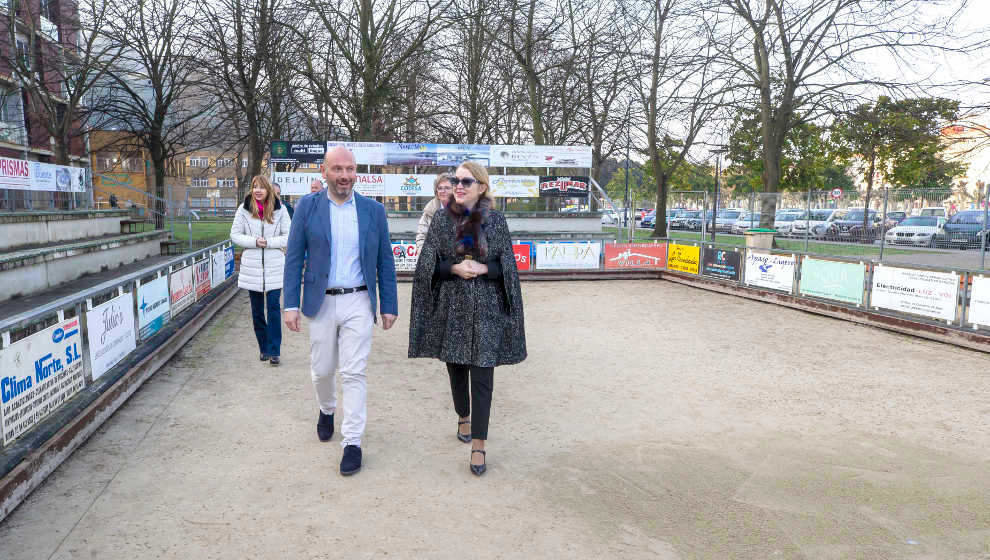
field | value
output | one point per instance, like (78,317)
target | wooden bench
(171,247)
(132,226)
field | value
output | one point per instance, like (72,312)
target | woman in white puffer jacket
(261,226)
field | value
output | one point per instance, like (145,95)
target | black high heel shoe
(460,436)
(479,470)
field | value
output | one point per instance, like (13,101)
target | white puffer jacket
(261,269)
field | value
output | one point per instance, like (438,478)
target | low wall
(31,271)
(20,229)
(577,222)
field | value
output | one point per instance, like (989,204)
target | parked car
(923,231)
(680,219)
(784,219)
(609,217)
(747,220)
(814,222)
(849,226)
(694,223)
(964,229)
(726,218)
(895,217)
(649,220)
(933,211)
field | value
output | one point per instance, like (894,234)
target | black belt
(342,291)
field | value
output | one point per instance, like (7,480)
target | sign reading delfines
(571,187)
(922,292)
(37,375)
(110,331)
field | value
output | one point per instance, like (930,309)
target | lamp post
(718,161)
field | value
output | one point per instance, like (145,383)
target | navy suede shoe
(351,461)
(324,426)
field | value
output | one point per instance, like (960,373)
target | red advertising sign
(635,255)
(521,251)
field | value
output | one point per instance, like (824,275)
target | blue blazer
(309,244)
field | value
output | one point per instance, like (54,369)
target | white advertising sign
(152,306)
(565,255)
(217,269)
(294,183)
(409,185)
(540,156)
(515,186)
(181,289)
(15,174)
(370,184)
(921,292)
(405,256)
(110,331)
(770,271)
(365,153)
(42,176)
(37,375)
(979,301)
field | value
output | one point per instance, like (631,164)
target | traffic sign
(837,193)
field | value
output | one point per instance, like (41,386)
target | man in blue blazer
(342,239)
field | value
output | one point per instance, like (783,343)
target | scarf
(261,208)
(468,227)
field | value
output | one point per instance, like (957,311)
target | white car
(920,231)
(748,220)
(784,219)
(817,220)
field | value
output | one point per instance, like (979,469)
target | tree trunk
(869,189)
(660,222)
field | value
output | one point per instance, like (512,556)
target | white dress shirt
(345,256)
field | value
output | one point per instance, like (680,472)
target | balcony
(13,133)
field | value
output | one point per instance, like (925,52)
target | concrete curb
(37,464)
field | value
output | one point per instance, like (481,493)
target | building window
(244,162)
(225,162)
(228,183)
(105,162)
(199,202)
(228,202)
(200,182)
(24,52)
(199,162)
(132,164)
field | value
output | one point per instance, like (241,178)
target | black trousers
(477,403)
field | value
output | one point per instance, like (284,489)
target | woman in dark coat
(466,302)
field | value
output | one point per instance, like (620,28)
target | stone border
(15,259)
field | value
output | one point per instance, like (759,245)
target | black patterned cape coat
(472,322)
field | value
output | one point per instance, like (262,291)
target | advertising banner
(922,292)
(566,255)
(218,264)
(524,255)
(201,276)
(15,174)
(404,253)
(409,185)
(42,177)
(456,154)
(770,271)
(37,375)
(540,156)
(515,186)
(979,302)
(152,306)
(295,183)
(370,184)
(181,289)
(298,152)
(683,258)
(228,262)
(110,331)
(366,153)
(413,153)
(557,185)
(721,264)
(839,281)
(635,255)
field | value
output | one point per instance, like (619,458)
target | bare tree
(802,59)
(157,89)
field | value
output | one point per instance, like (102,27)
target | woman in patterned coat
(466,302)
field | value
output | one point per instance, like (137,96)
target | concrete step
(34,270)
(23,230)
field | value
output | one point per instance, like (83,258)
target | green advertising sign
(838,281)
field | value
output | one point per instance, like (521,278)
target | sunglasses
(466,181)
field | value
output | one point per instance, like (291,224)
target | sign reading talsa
(110,331)
(922,292)
(568,255)
(37,375)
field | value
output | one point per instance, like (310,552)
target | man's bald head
(340,171)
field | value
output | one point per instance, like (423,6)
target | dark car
(682,217)
(964,229)
(649,220)
(895,217)
(849,227)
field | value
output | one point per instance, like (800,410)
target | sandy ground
(652,420)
